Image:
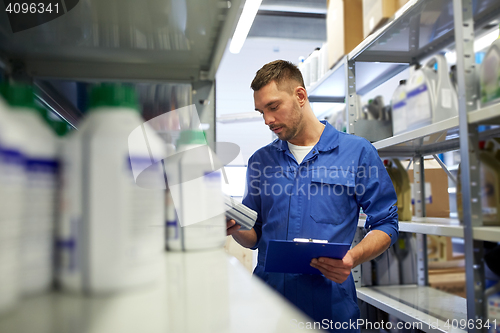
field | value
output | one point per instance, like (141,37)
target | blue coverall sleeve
(378,198)
(252,198)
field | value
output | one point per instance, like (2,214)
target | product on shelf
(314,66)
(489,171)
(41,167)
(398,103)
(376,13)
(112,237)
(172,226)
(430,96)
(437,202)
(401,183)
(374,120)
(344,28)
(490,74)
(197,194)
(12,183)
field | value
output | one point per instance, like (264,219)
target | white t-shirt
(299,152)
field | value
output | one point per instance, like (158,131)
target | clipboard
(295,256)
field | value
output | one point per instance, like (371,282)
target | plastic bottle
(197,195)
(12,182)
(172,232)
(401,183)
(489,171)
(314,66)
(398,103)
(490,74)
(112,235)
(39,148)
(430,96)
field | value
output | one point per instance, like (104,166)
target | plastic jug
(401,183)
(41,167)
(490,75)
(314,66)
(12,182)
(398,103)
(430,96)
(489,171)
(197,195)
(112,235)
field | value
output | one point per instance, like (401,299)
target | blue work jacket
(319,199)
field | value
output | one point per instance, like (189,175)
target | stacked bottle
(489,170)
(111,232)
(12,183)
(41,167)
(197,194)
(401,182)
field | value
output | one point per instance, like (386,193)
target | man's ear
(301,95)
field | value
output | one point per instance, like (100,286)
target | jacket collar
(329,139)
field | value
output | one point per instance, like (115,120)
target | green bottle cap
(113,95)
(3,90)
(192,137)
(21,95)
(59,127)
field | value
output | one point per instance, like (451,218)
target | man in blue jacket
(311,183)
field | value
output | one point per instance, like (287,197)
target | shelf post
(352,106)
(471,195)
(356,271)
(419,183)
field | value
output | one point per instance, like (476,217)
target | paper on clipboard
(295,256)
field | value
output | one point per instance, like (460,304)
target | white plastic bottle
(113,235)
(398,103)
(12,183)
(490,75)
(37,228)
(172,227)
(197,194)
(314,74)
(430,94)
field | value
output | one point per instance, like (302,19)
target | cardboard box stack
(377,12)
(436,190)
(344,27)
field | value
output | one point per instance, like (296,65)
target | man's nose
(268,119)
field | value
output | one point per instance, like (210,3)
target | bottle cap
(21,95)
(188,137)
(59,127)
(113,95)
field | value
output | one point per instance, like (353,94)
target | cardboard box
(401,3)
(376,13)
(450,282)
(344,27)
(437,198)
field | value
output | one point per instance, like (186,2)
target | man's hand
(334,269)
(231,227)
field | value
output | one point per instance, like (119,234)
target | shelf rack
(184,299)
(444,227)
(430,310)
(417,31)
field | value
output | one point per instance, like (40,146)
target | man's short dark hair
(282,72)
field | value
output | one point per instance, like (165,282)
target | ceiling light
(244,24)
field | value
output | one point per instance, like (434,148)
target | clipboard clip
(309,240)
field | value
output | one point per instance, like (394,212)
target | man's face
(280,109)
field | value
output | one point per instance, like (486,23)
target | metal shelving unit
(445,227)
(417,31)
(427,309)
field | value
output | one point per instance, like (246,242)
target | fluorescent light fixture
(485,41)
(479,45)
(244,24)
